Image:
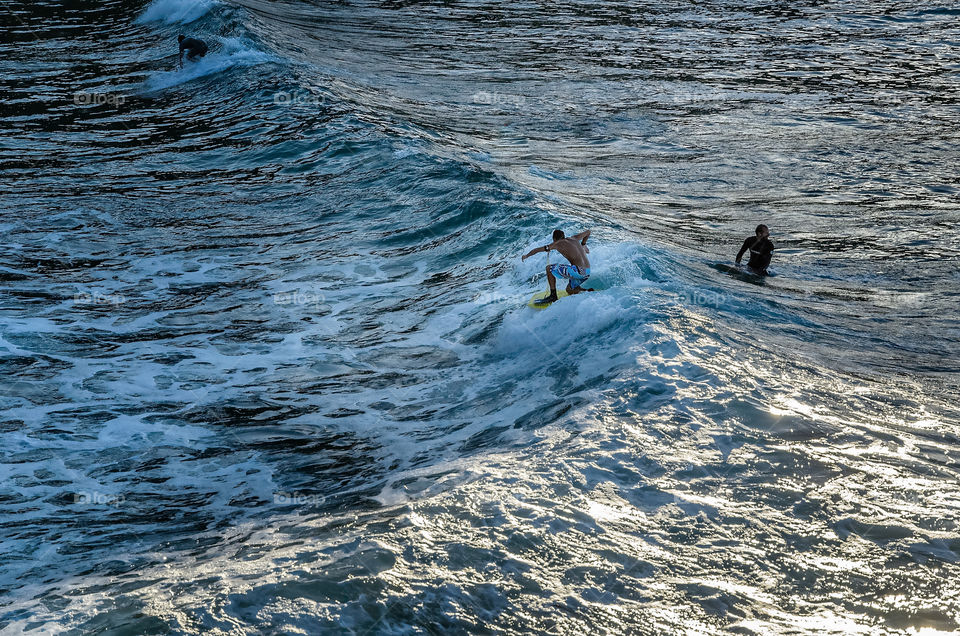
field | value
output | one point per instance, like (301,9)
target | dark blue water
(266,365)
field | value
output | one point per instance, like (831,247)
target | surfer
(195,48)
(574,249)
(761,250)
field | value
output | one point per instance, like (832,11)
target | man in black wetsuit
(195,48)
(761,250)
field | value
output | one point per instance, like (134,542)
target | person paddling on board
(575,250)
(761,250)
(195,48)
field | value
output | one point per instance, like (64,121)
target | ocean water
(266,365)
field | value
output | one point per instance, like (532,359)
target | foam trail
(176,11)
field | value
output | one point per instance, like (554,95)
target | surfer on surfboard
(577,272)
(761,250)
(193,47)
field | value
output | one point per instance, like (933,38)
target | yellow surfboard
(561,293)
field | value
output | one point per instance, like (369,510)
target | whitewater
(266,364)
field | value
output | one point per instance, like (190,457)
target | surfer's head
(181,37)
(558,234)
(763,230)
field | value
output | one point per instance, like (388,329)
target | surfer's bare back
(574,249)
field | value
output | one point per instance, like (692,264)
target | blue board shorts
(572,273)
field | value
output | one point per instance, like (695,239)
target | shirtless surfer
(575,250)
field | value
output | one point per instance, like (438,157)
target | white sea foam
(176,11)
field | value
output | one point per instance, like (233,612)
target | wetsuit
(195,48)
(761,251)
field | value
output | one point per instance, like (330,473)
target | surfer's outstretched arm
(545,248)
